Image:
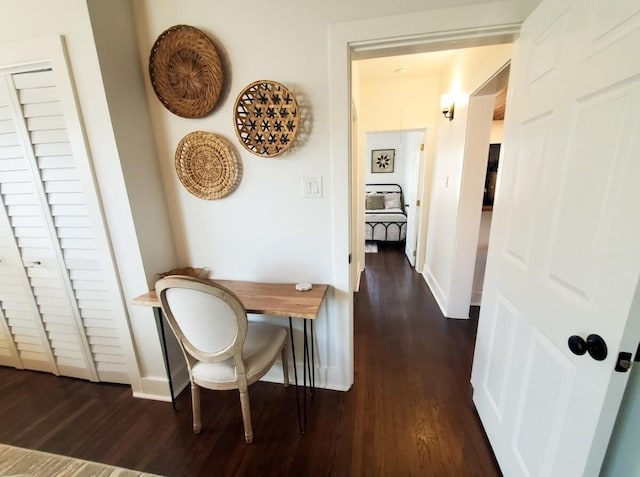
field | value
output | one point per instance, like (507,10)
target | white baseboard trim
(436,290)
(157,389)
(326,377)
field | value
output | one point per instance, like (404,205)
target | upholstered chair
(223,350)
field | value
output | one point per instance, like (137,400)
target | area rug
(18,462)
(371,247)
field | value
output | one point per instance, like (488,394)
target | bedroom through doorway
(398,129)
(392,168)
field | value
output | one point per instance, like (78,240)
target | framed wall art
(382,160)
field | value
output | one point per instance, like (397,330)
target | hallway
(412,377)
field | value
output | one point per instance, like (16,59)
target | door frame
(439,29)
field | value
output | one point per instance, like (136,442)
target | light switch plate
(311,187)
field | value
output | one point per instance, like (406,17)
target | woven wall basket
(266,118)
(206,165)
(186,72)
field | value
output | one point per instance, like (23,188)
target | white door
(564,256)
(57,305)
(413,173)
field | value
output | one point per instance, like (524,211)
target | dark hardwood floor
(409,411)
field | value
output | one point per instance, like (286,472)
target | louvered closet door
(63,293)
(25,342)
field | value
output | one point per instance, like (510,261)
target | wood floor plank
(409,412)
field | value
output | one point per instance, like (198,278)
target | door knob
(577,345)
(594,345)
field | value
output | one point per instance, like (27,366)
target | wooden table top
(277,299)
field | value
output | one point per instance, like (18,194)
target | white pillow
(392,200)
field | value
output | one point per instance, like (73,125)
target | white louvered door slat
(73,354)
(24,339)
(73,228)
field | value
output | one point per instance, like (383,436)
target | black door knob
(577,345)
(595,346)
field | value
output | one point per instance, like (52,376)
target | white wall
(497,132)
(114,36)
(406,102)
(470,68)
(386,140)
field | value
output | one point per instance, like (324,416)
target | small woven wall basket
(206,165)
(186,72)
(266,118)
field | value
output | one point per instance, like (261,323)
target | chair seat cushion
(261,346)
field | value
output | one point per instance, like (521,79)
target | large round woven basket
(206,165)
(266,118)
(186,71)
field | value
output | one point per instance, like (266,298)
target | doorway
(405,90)
(495,89)
(432,30)
(397,223)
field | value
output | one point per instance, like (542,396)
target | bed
(385,218)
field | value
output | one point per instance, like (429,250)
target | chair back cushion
(206,320)
(209,321)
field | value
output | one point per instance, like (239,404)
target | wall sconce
(447,106)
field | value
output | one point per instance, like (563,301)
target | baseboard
(436,290)
(156,389)
(326,377)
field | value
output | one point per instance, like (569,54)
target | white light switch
(311,187)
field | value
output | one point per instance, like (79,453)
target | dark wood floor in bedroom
(409,411)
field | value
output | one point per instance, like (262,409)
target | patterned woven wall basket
(266,118)
(186,71)
(206,165)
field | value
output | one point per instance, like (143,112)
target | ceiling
(391,67)
(424,65)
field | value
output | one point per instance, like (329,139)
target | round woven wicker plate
(206,165)
(266,118)
(186,72)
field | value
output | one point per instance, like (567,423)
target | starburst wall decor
(266,118)
(382,160)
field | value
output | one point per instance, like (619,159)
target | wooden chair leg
(195,405)
(285,364)
(246,414)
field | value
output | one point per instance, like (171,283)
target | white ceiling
(420,64)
